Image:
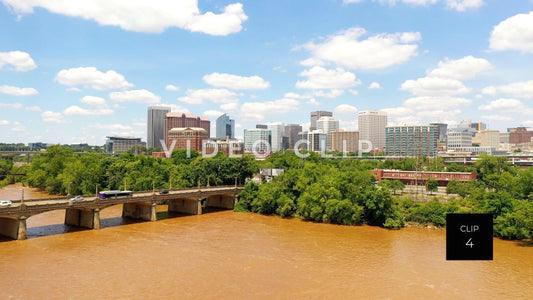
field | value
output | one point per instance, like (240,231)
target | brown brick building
(184,135)
(184,120)
(520,135)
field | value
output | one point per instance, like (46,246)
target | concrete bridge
(141,205)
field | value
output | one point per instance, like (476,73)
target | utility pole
(68,192)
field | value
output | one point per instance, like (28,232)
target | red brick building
(225,147)
(184,120)
(192,137)
(420,178)
(520,135)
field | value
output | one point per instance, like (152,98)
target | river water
(223,254)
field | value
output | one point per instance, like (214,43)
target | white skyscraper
(156,124)
(372,127)
(327,125)
(278,132)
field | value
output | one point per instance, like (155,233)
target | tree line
(345,192)
(339,191)
(58,170)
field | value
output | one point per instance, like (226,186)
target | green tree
(432,185)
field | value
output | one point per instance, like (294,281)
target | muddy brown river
(223,254)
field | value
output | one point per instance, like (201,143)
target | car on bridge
(77,198)
(163,192)
(5,203)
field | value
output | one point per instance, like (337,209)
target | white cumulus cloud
(172,88)
(142,16)
(18,60)
(256,111)
(433,86)
(522,89)
(91,77)
(137,96)
(321,78)
(52,117)
(345,109)
(507,106)
(514,33)
(375,86)
(463,5)
(4,122)
(17,91)
(95,106)
(465,68)
(348,49)
(213,113)
(213,95)
(236,82)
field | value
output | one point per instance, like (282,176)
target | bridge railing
(184,190)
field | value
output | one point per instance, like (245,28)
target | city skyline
(78,75)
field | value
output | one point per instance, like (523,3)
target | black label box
(469,237)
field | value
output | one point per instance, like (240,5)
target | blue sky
(77,73)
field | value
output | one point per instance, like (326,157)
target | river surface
(223,254)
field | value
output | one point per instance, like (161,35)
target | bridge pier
(188,206)
(144,211)
(14,228)
(221,201)
(88,218)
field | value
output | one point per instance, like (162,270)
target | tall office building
(225,128)
(252,136)
(442,130)
(458,138)
(327,125)
(156,130)
(345,141)
(291,131)
(315,115)
(183,120)
(316,139)
(489,138)
(416,140)
(278,132)
(372,127)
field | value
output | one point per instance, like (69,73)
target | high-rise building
(345,141)
(278,132)
(489,138)
(442,130)
(188,137)
(520,135)
(184,120)
(327,125)
(372,127)
(478,126)
(156,130)
(315,115)
(225,128)
(263,138)
(458,138)
(316,139)
(291,131)
(411,140)
(115,144)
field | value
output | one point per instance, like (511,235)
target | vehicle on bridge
(114,194)
(77,198)
(5,203)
